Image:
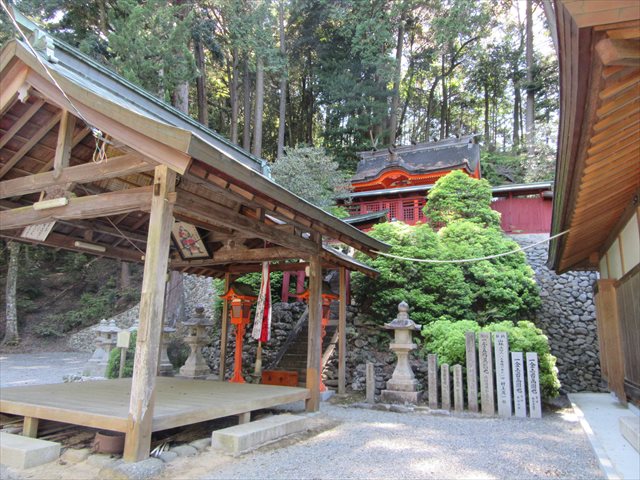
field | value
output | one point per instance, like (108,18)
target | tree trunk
(201,85)
(516,113)
(487,134)
(181,97)
(283,83)
(443,107)
(246,87)
(309,103)
(432,94)
(395,99)
(11,327)
(550,13)
(234,95)
(125,276)
(530,106)
(259,109)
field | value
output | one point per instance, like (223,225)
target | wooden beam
(177,160)
(77,138)
(210,215)
(30,427)
(56,240)
(224,330)
(11,82)
(140,419)
(618,52)
(223,257)
(21,122)
(314,345)
(63,144)
(86,172)
(342,331)
(79,208)
(35,138)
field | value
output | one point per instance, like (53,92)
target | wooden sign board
(38,232)
(472,371)
(503,377)
(432,379)
(519,392)
(486,374)
(533,380)
(124,336)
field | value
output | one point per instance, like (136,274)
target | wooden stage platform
(105,404)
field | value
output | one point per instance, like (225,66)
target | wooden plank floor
(105,404)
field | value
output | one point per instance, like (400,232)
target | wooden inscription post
(533,380)
(432,379)
(458,394)
(486,374)
(503,377)
(445,385)
(472,371)
(138,435)
(519,393)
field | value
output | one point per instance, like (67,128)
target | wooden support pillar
(314,346)
(224,330)
(286,280)
(342,332)
(30,427)
(300,284)
(138,434)
(348,287)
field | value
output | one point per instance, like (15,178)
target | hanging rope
(468,260)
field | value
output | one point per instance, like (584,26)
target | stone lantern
(106,338)
(403,386)
(196,366)
(165,368)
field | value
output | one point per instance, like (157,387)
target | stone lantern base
(398,396)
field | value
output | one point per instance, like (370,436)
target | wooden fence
(507,379)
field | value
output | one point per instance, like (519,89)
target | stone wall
(568,318)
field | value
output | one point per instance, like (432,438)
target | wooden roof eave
(582,27)
(261,185)
(159,141)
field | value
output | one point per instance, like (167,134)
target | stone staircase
(295,355)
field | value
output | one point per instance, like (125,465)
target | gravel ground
(39,368)
(376,444)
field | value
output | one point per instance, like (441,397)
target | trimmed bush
(446,339)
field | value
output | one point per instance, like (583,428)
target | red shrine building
(394,183)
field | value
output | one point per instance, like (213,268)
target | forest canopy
(346,76)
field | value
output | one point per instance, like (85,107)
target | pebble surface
(376,444)
(19,369)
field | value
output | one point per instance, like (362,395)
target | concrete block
(21,452)
(167,457)
(243,438)
(630,429)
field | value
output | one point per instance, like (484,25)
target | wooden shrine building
(394,183)
(598,173)
(91,163)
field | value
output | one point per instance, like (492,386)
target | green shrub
(113,365)
(447,339)
(486,291)
(48,329)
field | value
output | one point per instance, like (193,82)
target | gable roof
(422,158)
